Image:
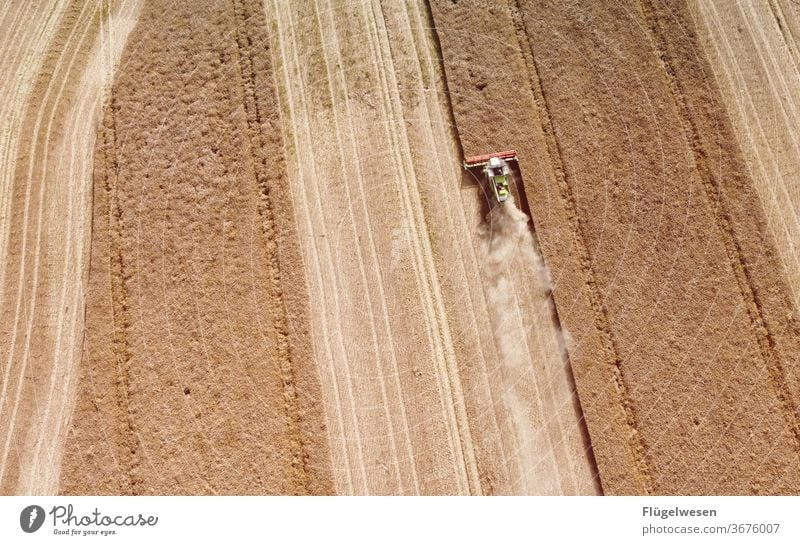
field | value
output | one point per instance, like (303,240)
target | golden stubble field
(241,255)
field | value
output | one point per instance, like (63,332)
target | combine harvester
(496,169)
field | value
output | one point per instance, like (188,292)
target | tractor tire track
(427,276)
(52,181)
(365,113)
(484,95)
(764,122)
(655,247)
(393,470)
(194,248)
(532,399)
(754,255)
(578,227)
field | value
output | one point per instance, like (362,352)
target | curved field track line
(751,46)
(350,475)
(425,266)
(578,236)
(78,147)
(404,470)
(59,158)
(33,214)
(264,168)
(787,18)
(435,110)
(394,467)
(197,376)
(363,190)
(657,232)
(754,257)
(563,460)
(13,107)
(416,394)
(21,66)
